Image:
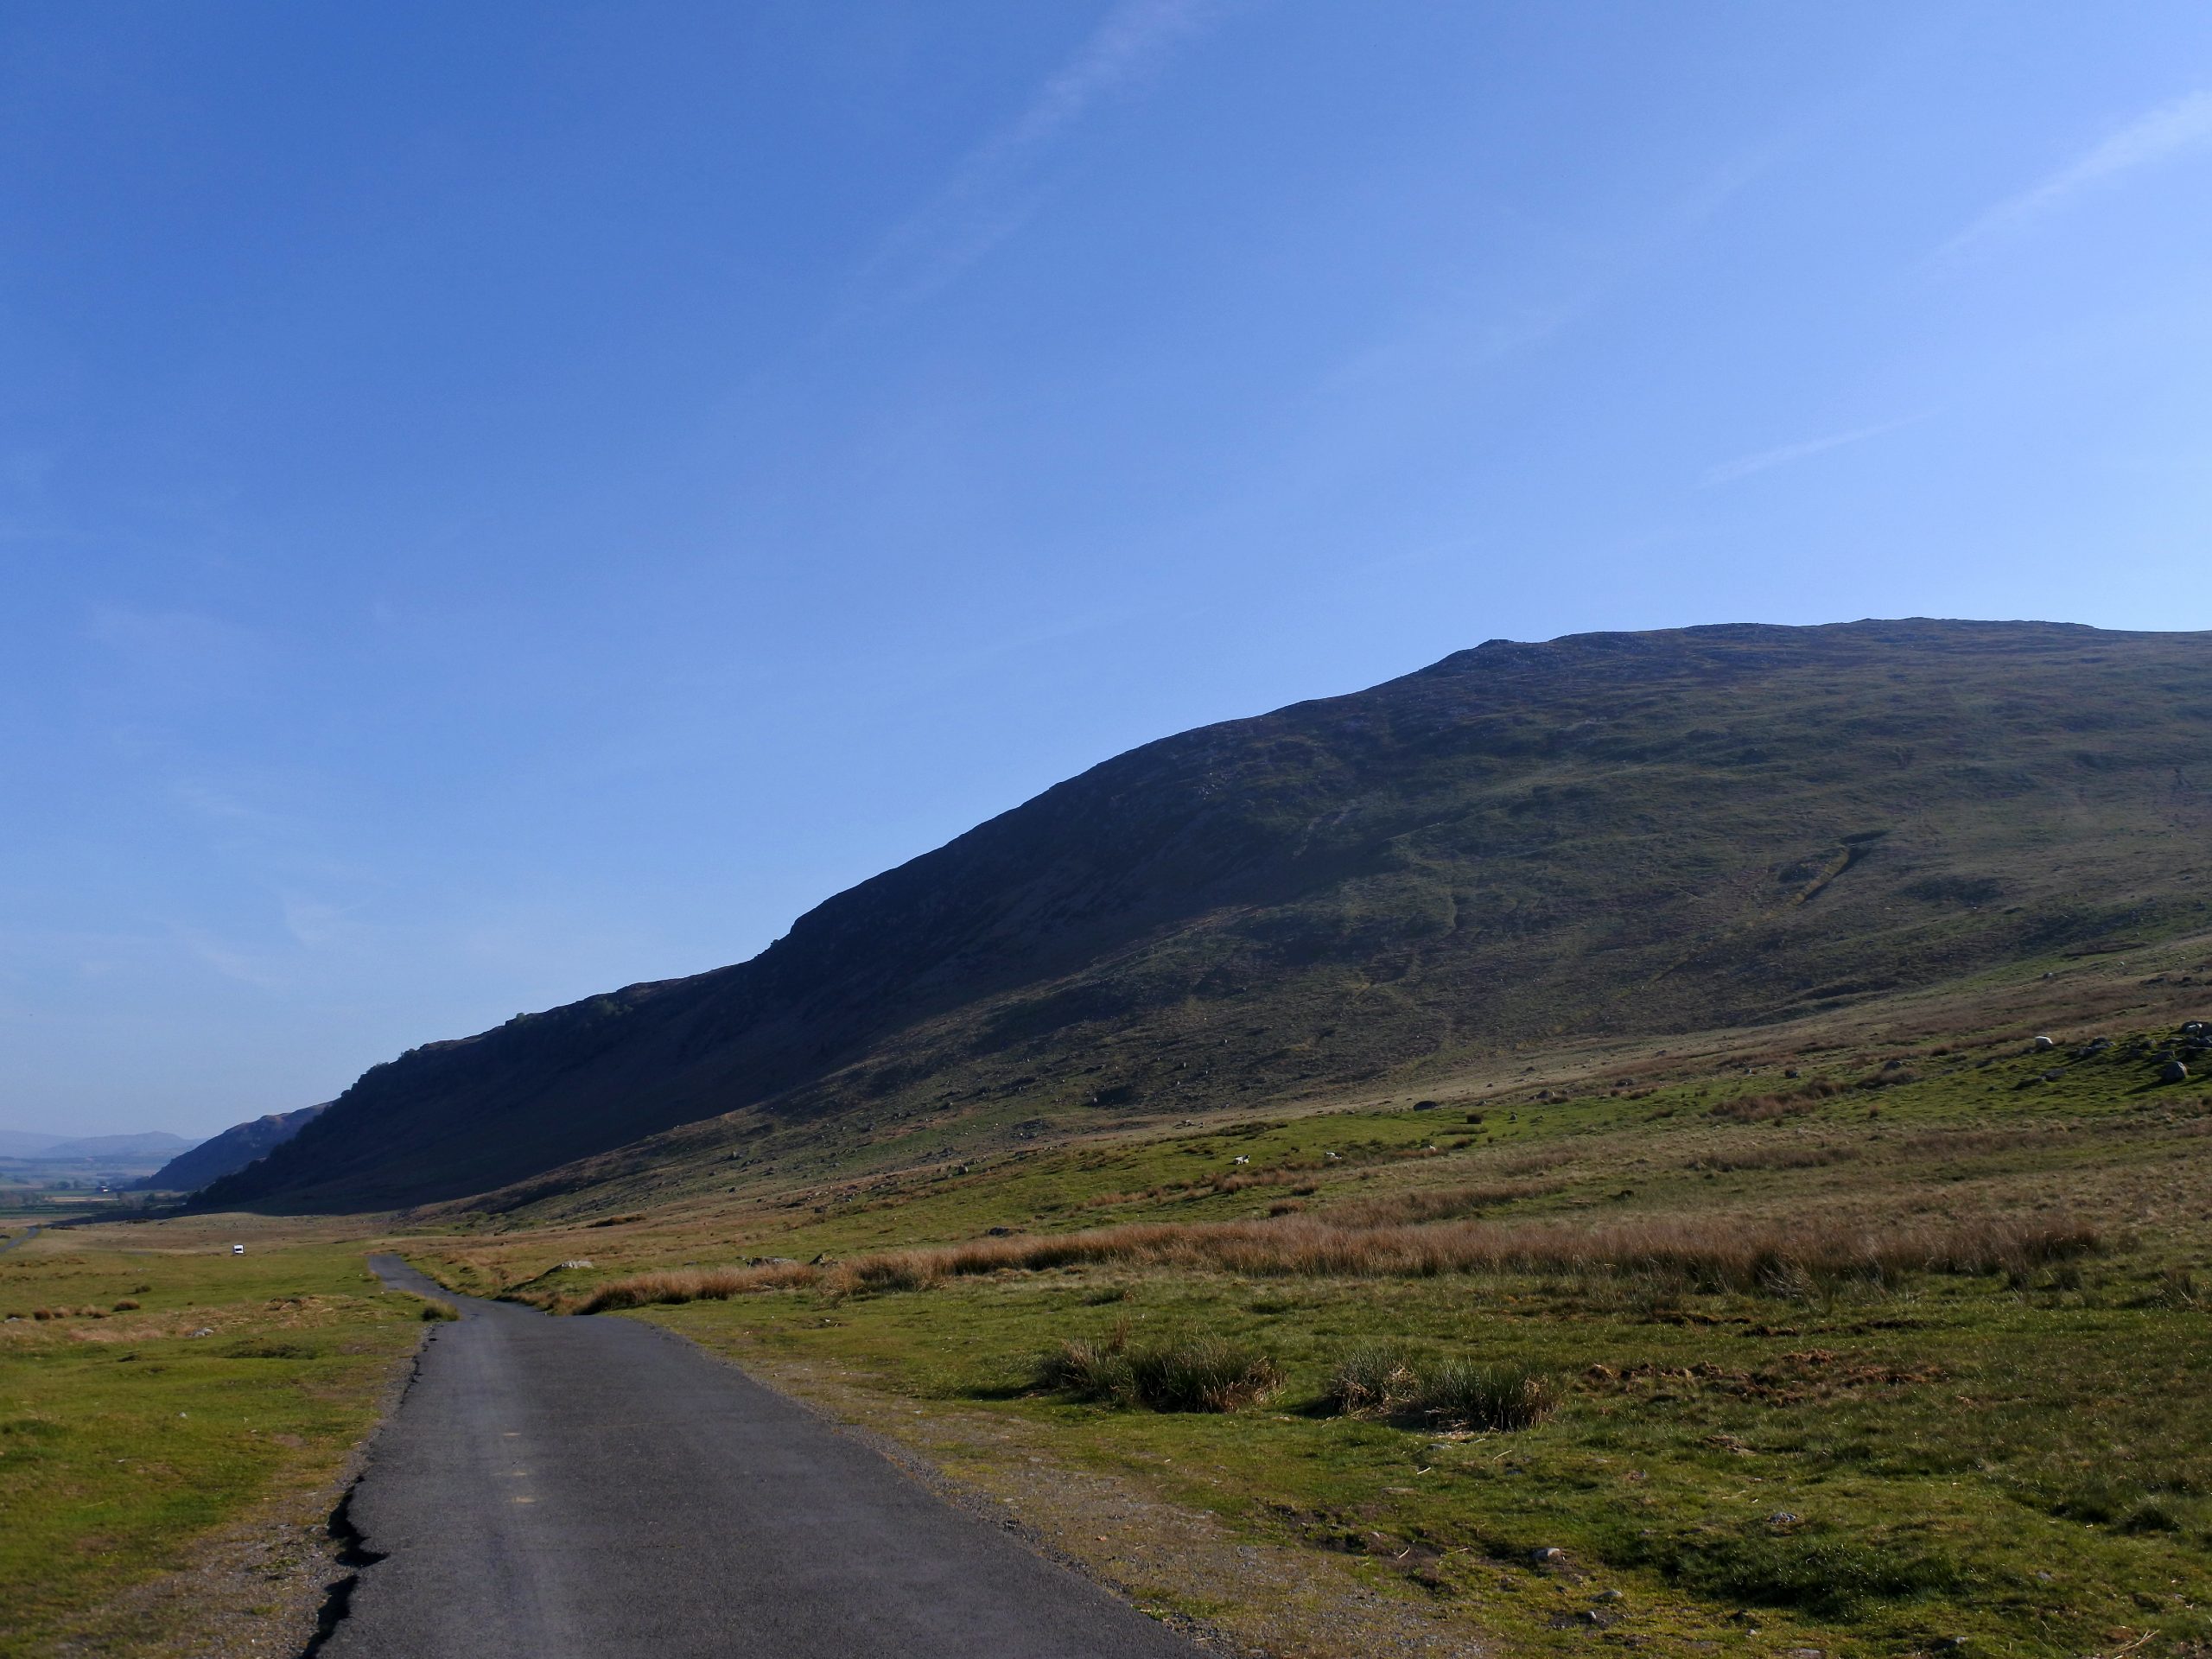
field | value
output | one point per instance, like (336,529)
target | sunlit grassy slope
(1902,1351)
(1608,834)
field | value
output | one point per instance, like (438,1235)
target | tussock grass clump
(1461,1394)
(2177,1289)
(1374,1377)
(1203,1374)
(1184,1373)
(1385,1379)
(1086,1370)
(435,1311)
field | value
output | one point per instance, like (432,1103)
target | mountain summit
(1630,832)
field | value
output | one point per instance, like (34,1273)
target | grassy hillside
(1872,1333)
(1607,836)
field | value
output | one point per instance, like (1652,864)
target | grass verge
(171,1388)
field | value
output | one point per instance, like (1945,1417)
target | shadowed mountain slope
(1630,832)
(229,1151)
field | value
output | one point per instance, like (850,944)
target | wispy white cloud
(990,195)
(1125,47)
(2156,135)
(1744,465)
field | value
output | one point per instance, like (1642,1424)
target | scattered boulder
(2042,1043)
(2173,1071)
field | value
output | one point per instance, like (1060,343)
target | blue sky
(500,502)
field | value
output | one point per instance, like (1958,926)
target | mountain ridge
(1515,842)
(229,1151)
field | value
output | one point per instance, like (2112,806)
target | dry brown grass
(1787,1102)
(1706,1252)
(696,1285)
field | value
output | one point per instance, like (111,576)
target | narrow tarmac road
(600,1489)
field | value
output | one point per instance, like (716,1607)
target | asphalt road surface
(598,1489)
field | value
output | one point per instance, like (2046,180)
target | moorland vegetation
(1674,1140)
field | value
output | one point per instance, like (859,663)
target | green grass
(124,1436)
(2030,1468)
(2018,1450)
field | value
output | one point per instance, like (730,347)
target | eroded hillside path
(600,1489)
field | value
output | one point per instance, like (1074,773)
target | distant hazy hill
(229,1151)
(1633,832)
(111,1151)
(18,1143)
